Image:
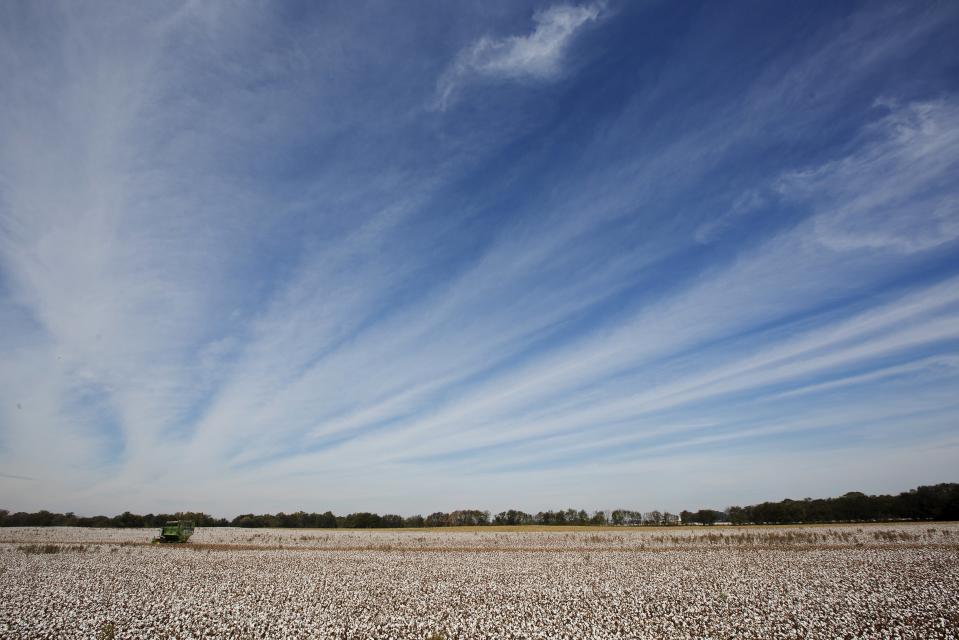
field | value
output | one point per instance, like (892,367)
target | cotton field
(868,581)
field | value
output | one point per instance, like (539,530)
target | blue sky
(352,256)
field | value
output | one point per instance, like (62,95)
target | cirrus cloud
(537,56)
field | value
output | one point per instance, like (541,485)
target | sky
(261,257)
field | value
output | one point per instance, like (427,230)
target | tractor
(175,531)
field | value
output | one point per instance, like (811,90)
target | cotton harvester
(175,531)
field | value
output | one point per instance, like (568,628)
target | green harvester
(175,531)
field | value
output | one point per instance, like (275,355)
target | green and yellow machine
(175,531)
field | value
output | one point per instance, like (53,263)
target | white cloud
(538,55)
(895,190)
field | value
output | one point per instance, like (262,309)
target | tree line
(934,502)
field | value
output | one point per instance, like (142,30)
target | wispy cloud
(537,56)
(895,189)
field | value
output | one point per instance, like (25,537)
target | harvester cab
(175,531)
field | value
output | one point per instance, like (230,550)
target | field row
(493,538)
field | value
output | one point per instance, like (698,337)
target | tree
(327,520)
(128,520)
(707,516)
(468,517)
(362,520)
(653,517)
(414,521)
(437,519)
(392,521)
(513,517)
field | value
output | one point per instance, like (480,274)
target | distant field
(853,581)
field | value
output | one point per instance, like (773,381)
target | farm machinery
(175,531)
